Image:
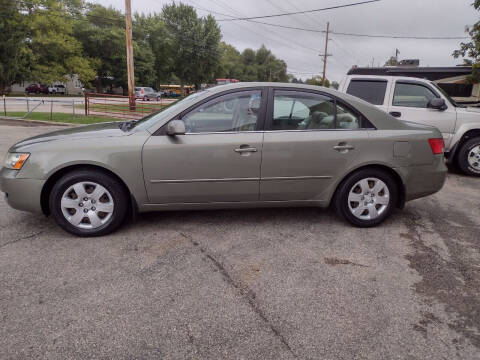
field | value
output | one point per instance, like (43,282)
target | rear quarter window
(370,91)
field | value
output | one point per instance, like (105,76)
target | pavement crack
(336,261)
(243,290)
(21,238)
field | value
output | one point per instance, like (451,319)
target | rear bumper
(424,180)
(21,194)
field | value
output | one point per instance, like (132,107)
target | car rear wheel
(88,203)
(469,157)
(366,198)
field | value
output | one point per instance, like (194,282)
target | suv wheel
(469,157)
(366,198)
(88,203)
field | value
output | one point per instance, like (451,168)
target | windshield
(444,93)
(170,110)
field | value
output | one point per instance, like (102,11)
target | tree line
(50,40)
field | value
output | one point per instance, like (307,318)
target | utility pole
(325,56)
(128,36)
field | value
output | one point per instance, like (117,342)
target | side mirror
(437,103)
(176,127)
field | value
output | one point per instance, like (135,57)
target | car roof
(386,77)
(239,85)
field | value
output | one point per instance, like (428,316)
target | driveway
(245,284)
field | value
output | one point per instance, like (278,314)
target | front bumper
(21,194)
(424,180)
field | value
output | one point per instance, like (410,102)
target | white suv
(422,101)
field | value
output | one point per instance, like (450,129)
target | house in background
(73,86)
(453,80)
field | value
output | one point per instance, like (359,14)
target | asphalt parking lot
(245,284)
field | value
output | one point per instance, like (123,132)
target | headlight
(15,161)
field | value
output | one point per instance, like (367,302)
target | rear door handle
(344,147)
(396,114)
(245,149)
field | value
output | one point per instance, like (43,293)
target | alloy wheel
(368,198)
(474,157)
(87,205)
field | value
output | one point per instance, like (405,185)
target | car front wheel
(88,203)
(366,198)
(469,157)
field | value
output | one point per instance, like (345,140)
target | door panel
(300,165)
(312,139)
(217,160)
(202,168)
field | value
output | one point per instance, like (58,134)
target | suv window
(294,110)
(368,90)
(232,112)
(412,95)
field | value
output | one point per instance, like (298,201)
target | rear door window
(295,110)
(372,91)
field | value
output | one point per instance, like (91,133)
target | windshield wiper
(127,125)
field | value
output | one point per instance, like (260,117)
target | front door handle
(245,149)
(396,114)
(343,147)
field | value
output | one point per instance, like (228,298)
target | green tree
(150,30)
(391,62)
(470,51)
(318,81)
(230,65)
(102,36)
(195,51)
(335,85)
(14,51)
(55,52)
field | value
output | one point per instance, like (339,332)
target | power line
(341,33)
(365,35)
(275,37)
(302,12)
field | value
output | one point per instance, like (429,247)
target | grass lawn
(61,117)
(124,107)
(22,94)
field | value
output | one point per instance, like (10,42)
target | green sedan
(231,146)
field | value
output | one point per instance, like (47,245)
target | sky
(301,50)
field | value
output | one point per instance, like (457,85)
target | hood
(102,130)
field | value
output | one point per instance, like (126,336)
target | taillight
(437,145)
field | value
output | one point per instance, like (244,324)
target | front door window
(229,113)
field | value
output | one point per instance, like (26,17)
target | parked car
(57,89)
(273,145)
(171,94)
(147,94)
(422,101)
(36,89)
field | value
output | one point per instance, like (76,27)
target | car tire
(145,98)
(100,190)
(366,198)
(469,157)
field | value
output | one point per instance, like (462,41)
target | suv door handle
(396,114)
(245,149)
(342,147)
